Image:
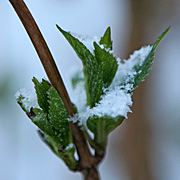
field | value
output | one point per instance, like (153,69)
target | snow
(87,40)
(70,146)
(78,93)
(125,72)
(29,100)
(115,101)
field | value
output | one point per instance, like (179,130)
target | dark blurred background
(147,145)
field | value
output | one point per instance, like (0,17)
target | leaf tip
(60,29)
(109,29)
(160,38)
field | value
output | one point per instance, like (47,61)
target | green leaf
(42,122)
(41,91)
(58,117)
(92,70)
(101,127)
(45,138)
(109,125)
(108,64)
(20,102)
(143,69)
(54,137)
(106,39)
(160,38)
(113,123)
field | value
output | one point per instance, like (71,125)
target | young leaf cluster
(52,119)
(100,69)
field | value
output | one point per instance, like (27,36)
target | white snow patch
(80,98)
(78,93)
(113,103)
(87,40)
(29,100)
(125,69)
(70,146)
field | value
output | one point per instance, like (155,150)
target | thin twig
(43,52)
(86,160)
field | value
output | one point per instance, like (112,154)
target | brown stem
(42,51)
(91,174)
(86,160)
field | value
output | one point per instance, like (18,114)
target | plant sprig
(100,69)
